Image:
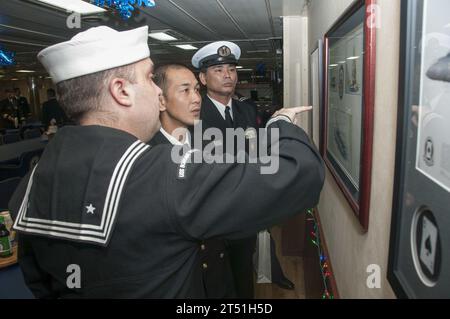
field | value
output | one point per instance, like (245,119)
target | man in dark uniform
(52,110)
(105,215)
(217,64)
(180,108)
(8,108)
(23,108)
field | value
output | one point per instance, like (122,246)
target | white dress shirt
(221,108)
(174,141)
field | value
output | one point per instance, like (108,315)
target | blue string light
(124,7)
(6,58)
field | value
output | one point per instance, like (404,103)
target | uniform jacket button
(222,255)
(205,266)
(202,247)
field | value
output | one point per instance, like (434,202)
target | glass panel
(345,100)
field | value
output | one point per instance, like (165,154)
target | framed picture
(316,91)
(348,104)
(419,257)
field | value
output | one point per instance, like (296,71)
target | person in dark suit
(180,108)
(52,110)
(8,113)
(217,64)
(23,108)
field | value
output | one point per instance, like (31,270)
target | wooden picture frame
(419,263)
(349,91)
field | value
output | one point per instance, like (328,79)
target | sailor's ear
(202,78)
(121,91)
(162,103)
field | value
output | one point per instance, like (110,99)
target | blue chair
(7,173)
(7,188)
(31,133)
(26,163)
(9,138)
(12,131)
(13,284)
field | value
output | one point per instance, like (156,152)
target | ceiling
(26,27)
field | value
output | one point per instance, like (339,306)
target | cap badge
(224,51)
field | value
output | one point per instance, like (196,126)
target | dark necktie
(228,118)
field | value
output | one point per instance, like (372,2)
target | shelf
(9,261)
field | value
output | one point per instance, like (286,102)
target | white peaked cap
(220,52)
(94,50)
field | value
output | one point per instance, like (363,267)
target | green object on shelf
(5,244)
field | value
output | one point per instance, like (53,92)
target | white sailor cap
(96,49)
(221,52)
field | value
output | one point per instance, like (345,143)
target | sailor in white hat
(104,215)
(221,52)
(217,64)
(81,67)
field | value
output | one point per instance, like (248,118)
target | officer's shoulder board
(96,230)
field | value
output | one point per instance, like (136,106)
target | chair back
(31,133)
(7,188)
(9,138)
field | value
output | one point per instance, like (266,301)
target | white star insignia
(90,209)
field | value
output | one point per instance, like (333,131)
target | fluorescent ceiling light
(78,6)
(239,67)
(162,36)
(245,70)
(14,79)
(25,71)
(186,47)
(353,58)
(333,65)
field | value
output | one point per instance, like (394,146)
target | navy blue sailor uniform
(213,257)
(130,219)
(240,251)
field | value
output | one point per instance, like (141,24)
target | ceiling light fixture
(162,36)
(186,47)
(78,6)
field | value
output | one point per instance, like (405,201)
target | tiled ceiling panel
(26,27)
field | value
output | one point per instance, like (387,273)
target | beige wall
(351,250)
(295,66)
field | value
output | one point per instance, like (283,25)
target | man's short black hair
(160,75)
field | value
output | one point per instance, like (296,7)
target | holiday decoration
(124,7)
(6,58)
(324,267)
